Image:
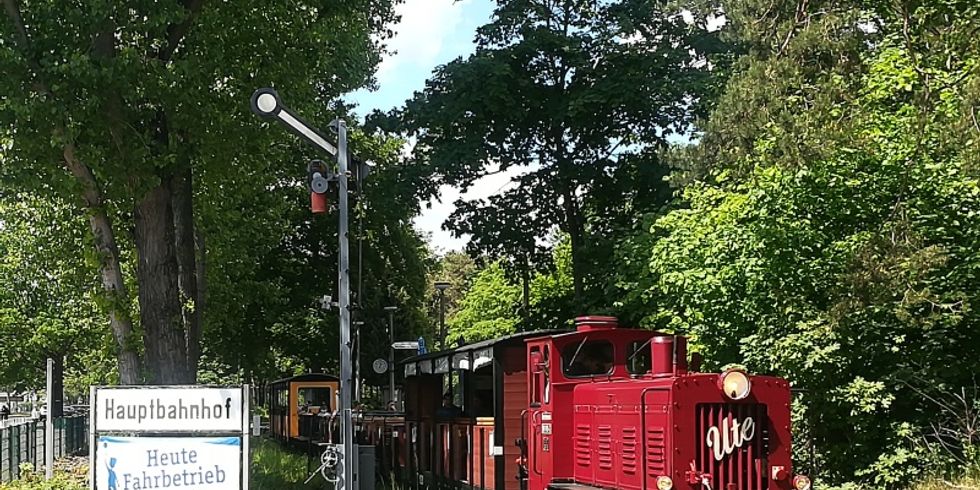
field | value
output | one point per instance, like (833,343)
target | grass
(938,484)
(274,468)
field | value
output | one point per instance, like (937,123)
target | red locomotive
(598,407)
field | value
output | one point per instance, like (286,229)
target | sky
(431,33)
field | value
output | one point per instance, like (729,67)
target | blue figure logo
(112,473)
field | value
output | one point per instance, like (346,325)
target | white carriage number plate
(546,429)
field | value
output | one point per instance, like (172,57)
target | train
(597,407)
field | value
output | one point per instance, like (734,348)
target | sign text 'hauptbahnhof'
(169,409)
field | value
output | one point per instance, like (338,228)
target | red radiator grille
(629,450)
(656,452)
(583,446)
(605,447)
(746,467)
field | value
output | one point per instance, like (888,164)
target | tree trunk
(113,286)
(526,292)
(576,233)
(160,312)
(202,288)
(183,208)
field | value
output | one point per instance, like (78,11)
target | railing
(22,441)
(427,454)
(451,454)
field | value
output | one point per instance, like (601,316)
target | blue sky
(431,33)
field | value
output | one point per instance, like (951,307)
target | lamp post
(442,286)
(358,389)
(266,103)
(391,351)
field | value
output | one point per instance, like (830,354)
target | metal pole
(358,389)
(49,425)
(346,420)
(391,353)
(442,319)
(246,451)
(91,438)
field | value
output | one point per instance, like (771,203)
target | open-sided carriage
(300,407)
(473,447)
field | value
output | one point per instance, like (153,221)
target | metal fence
(23,442)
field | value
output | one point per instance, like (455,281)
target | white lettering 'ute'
(724,440)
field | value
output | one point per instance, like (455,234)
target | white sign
(406,345)
(724,440)
(168,409)
(144,463)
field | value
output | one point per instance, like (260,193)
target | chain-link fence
(24,443)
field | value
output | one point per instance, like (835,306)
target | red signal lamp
(318,203)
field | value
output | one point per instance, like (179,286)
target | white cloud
(431,219)
(419,38)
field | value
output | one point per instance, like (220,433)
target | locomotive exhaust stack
(669,354)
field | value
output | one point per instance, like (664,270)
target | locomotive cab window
(587,358)
(638,357)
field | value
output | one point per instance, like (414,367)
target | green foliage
(269,267)
(489,308)
(48,302)
(559,92)
(135,95)
(837,243)
(34,480)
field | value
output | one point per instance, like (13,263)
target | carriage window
(536,376)
(587,358)
(314,397)
(638,357)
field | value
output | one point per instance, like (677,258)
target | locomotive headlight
(735,385)
(801,482)
(664,483)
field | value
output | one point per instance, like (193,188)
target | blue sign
(421,346)
(144,463)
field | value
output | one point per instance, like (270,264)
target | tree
(271,261)
(135,101)
(512,238)
(493,304)
(488,309)
(47,307)
(561,89)
(835,241)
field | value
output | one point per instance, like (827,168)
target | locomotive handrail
(643,427)
(534,465)
(522,466)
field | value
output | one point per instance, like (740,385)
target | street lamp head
(265,102)
(442,285)
(391,308)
